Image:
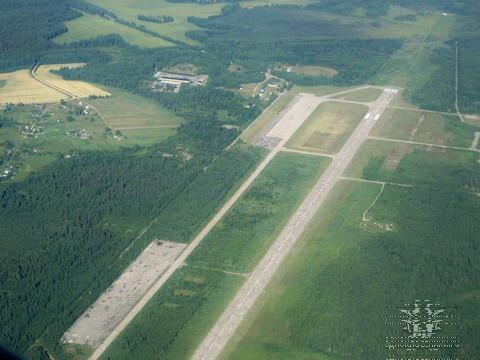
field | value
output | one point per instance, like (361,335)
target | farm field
(432,128)
(78,88)
(251,226)
(328,127)
(355,258)
(124,110)
(20,87)
(90,26)
(364,95)
(130,9)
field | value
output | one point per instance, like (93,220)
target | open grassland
(364,95)
(432,128)
(90,26)
(328,127)
(428,81)
(21,87)
(339,280)
(308,70)
(253,131)
(125,110)
(180,314)
(414,164)
(77,88)
(130,9)
(319,90)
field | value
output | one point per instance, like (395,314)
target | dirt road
(212,346)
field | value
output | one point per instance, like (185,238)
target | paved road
(223,330)
(50,85)
(299,112)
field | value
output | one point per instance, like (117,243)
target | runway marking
(263,272)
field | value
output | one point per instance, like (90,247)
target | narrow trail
(475,142)
(365,213)
(417,126)
(456,84)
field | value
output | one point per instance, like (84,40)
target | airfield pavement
(216,340)
(280,130)
(98,321)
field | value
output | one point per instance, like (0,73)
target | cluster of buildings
(169,81)
(31,131)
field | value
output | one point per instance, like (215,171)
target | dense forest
(27,27)
(250,37)
(66,243)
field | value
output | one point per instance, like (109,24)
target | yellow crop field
(77,88)
(21,87)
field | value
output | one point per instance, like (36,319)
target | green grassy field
(308,70)
(412,164)
(432,128)
(90,26)
(195,296)
(365,95)
(319,90)
(130,9)
(328,127)
(330,297)
(125,110)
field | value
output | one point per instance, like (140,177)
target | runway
(216,340)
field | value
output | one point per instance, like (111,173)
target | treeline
(159,19)
(376,8)
(204,2)
(439,92)
(469,75)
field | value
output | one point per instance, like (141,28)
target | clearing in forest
(96,323)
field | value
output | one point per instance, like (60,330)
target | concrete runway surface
(216,340)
